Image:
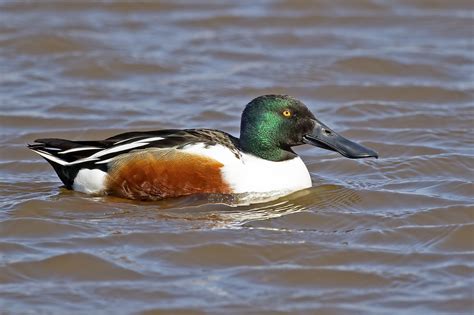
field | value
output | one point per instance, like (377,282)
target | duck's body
(171,163)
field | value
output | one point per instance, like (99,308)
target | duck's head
(272,124)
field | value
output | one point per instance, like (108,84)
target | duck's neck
(264,147)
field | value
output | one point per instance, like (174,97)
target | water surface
(386,236)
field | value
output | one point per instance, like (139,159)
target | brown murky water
(386,236)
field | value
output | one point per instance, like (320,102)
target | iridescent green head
(272,124)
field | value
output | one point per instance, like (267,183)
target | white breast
(251,174)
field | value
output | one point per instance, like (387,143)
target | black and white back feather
(68,157)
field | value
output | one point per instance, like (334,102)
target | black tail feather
(51,147)
(65,173)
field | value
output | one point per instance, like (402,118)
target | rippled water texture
(386,236)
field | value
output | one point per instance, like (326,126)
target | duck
(170,163)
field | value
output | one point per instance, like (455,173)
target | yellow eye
(286,113)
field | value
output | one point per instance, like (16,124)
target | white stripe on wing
(50,157)
(96,156)
(79,149)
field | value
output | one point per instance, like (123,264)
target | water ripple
(371,236)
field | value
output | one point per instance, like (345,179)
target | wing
(68,157)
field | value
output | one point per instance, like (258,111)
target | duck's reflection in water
(234,211)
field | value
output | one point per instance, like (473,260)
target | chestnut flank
(159,174)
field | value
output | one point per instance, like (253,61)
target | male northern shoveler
(152,165)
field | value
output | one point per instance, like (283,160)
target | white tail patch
(90,181)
